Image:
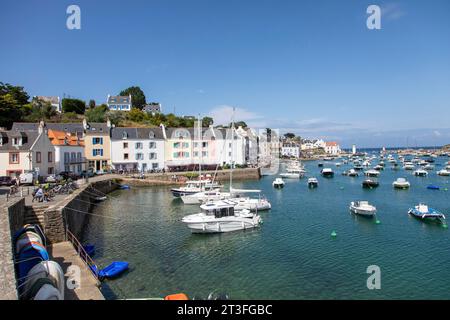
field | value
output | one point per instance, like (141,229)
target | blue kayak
(28,257)
(124,187)
(113,270)
(432,187)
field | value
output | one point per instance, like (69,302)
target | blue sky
(309,67)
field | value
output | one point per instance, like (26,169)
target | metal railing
(83,254)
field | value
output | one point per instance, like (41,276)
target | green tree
(137,96)
(97,114)
(73,105)
(13,104)
(289,135)
(207,121)
(18,93)
(40,110)
(91,104)
(239,124)
(136,115)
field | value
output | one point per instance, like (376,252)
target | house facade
(69,151)
(332,148)
(26,151)
(119,103)
(152,108)
(97,145)
(137,149)
(290,150)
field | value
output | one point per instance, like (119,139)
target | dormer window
(124,135)
(151,135)
(16,141)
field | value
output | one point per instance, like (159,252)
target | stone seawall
(169,177)
(11,220)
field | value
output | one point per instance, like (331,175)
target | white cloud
(437,133)
(224,113)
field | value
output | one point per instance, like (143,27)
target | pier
(67,215)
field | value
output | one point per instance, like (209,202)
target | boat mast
(232,145)
(199,123)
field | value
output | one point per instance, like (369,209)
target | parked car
(7,181)
(27,178)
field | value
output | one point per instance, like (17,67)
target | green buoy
(444,226)
(445,189)
(377,221)
(333,234)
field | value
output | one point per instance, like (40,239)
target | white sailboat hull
(227,224)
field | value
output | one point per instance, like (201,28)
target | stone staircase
(35,215)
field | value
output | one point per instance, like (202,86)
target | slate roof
(136,133)
(7,136)
(119,100)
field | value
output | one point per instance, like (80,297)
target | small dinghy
(114,270)
(29,256)
(420,173)
(370,184)
(278,183)
(401,183)
(327,172)
(49,270)
(433,187)
(424,212)
(372,173)
(363,208)
(124,187)
(313,183)
(100,199)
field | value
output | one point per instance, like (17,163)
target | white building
(69,151)
(290,150)
(137,149)
(119,103)
(332,148)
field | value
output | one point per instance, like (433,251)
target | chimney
(163,128)
(108,123)
(41,127)
(85,126)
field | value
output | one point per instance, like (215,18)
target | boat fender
(176,296)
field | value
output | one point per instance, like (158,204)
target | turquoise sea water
(292,255)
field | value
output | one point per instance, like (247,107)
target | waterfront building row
(51,148)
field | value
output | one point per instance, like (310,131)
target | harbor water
(292,255)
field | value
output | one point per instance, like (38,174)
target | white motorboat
(327,172)
(444,172)
(372,173)
(420,173)
(401,183)
(194,186)
(291,175)
(352,173)
(428,167)
(221,216)
(313,183)
(363,208)
(278,183)
(201,197)
(408,166)
(252,204)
